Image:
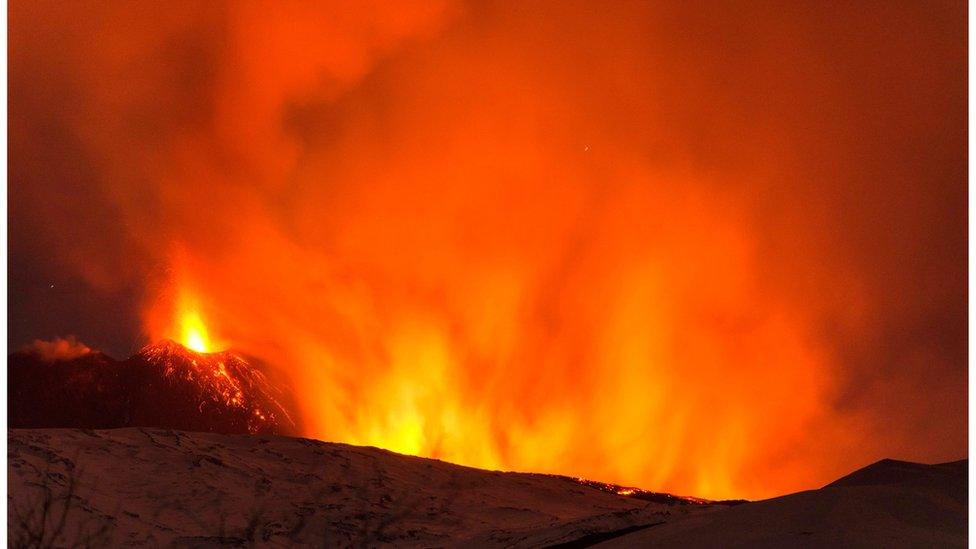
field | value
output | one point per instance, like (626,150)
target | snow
(156,487)
(161,487)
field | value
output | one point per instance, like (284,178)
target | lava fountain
(193,332)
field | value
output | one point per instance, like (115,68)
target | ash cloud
(67,348)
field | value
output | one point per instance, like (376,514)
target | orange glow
(639,242)
(178,312)
(522,299)
(194,333)
(643,370)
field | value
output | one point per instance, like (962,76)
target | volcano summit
(163,385)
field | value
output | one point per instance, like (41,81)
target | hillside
(151,487)
(155,487)
(887,504)
(163,385)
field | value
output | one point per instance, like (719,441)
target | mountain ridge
(164,487)
(162,385)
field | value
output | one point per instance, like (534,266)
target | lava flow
(223,380)
(163,385)
(186,352)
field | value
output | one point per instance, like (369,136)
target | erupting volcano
(234,395)
(713,249)
(163,385)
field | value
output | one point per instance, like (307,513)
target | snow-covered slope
(888,504)
(155,487)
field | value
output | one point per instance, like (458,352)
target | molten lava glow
(637,242)
(178,315)
(194,333)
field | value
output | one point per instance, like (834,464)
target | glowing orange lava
(193,333)
(559,239)
(179,315)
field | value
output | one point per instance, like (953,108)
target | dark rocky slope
(163,385)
